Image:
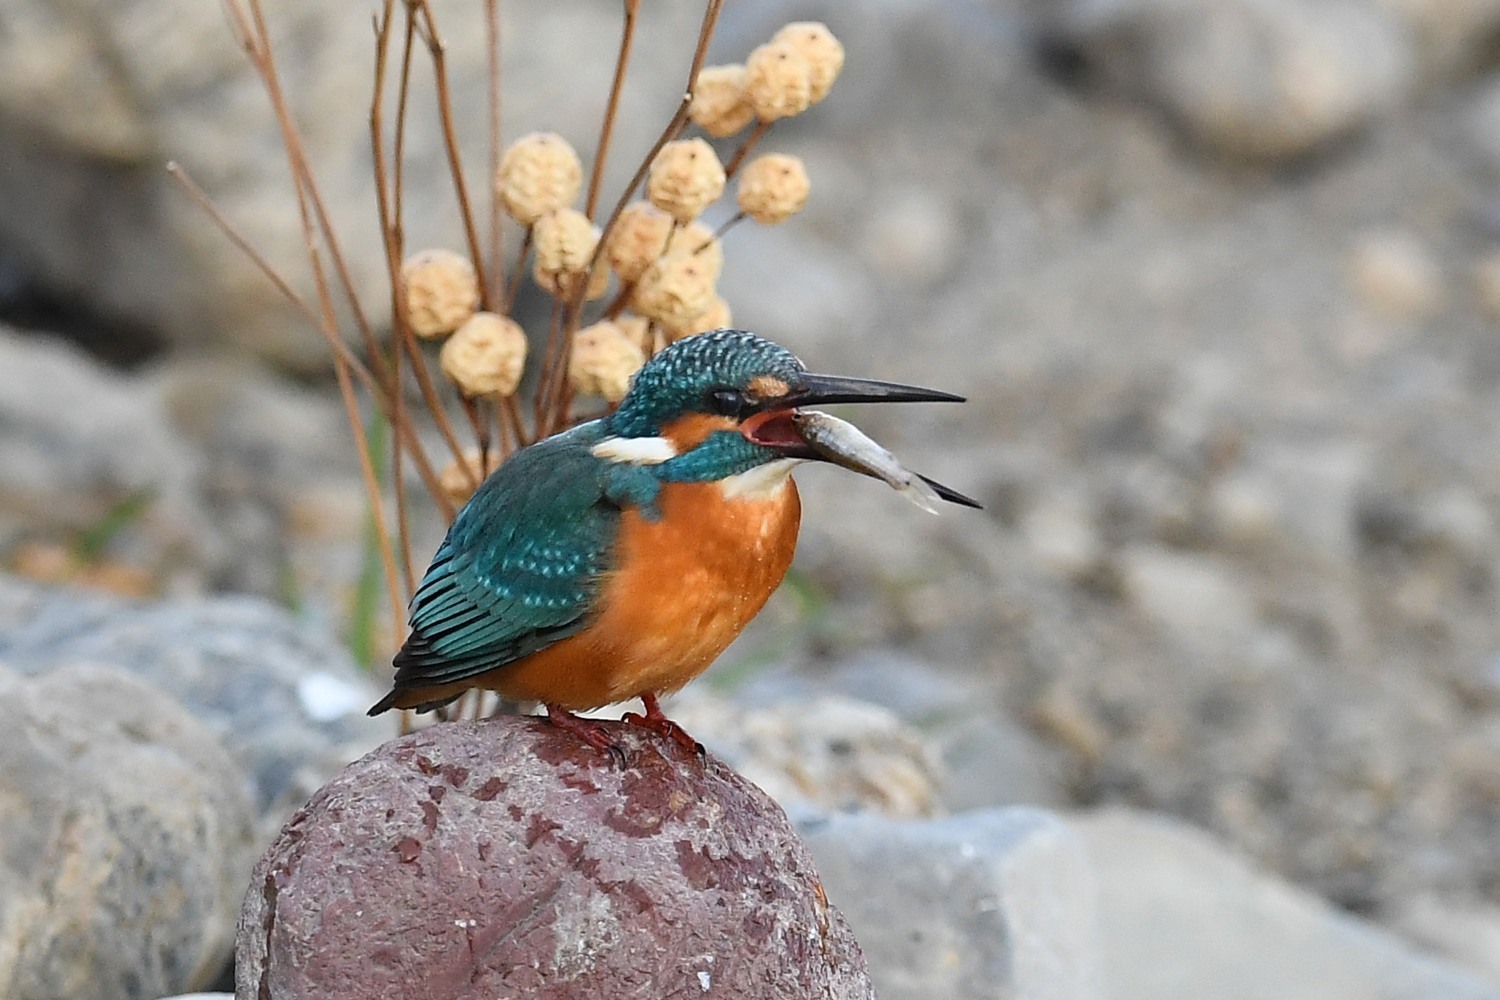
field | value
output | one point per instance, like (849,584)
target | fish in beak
(784,424)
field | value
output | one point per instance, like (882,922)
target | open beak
(808,434)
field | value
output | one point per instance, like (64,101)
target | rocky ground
(1221,281)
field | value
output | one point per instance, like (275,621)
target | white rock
(1182,916)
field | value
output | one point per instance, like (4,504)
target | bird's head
(727,403)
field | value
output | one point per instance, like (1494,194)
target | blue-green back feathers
(522,561)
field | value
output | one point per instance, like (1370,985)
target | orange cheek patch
(768,387)
(690,430)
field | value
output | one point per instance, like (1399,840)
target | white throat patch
(759,483)
(636,451)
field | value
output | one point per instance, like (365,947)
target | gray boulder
(989,904)
(1182,916)
(124,842)
(283,699)
(1261,79)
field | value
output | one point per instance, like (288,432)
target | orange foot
(594,735)
(656,721)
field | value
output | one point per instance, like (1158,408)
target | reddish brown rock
(507,858)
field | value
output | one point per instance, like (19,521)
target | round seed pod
(686,177)
(458,478)
(603,360)
(640,332)
(565,241)
(441,291)
(720,106)
(716,317)
(674,290)
(538,174)
(638,237)
(485,356)
(698,240)
(773,188)
(778,81)
(823,52)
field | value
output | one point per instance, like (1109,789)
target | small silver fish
(844,444)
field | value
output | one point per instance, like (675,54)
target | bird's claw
(591,733)
(665,727)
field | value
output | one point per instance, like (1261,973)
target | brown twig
(756,135)
(427,29)
(612,106)
(492,81)
(515,282)
(554,374)
(733,221)
(253,35)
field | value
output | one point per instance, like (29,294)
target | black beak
(812,390)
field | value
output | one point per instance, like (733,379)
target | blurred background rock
(1221,279)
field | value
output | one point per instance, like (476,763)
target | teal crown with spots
(680,378)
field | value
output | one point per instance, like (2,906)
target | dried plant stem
(756,135)
(429,391)
(492,80)
(257,45)
(554,374)
(515,283)
(427,28)
(612,106)
(733,221)
(388,202)
(255,38)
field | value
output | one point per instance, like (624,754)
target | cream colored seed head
(565,243)
(638,237)
(823,52)
(603,360)
(686,177)
(773,188)
(562,283)
(716,317)
(720,106)
(485,356)
(778,81)
(698,240)
(538,174)
(674,289)
(441,291)
(457,480)
(639,331)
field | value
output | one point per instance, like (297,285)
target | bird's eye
(727,402)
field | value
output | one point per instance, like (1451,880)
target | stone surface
(1182,916)
(1466,932)
(830,753)
(76,440)
(283,698)
(1263,79)
(509,858)
(987,904)
(125,840)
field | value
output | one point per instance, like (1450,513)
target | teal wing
(520,566)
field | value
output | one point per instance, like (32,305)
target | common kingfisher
(619,558)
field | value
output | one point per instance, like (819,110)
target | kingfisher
(617,559)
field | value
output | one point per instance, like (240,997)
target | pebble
(125,842)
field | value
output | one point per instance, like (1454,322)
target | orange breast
(686,585)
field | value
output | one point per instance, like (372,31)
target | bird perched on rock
(618,559)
